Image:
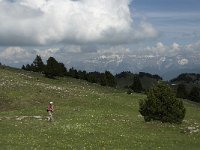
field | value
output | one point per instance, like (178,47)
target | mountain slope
(87,116)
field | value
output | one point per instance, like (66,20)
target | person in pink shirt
(50,110)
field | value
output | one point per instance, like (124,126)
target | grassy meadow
(87,116)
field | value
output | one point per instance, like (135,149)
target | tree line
(188,86)
(187,77)
(136,80)
(193,94)
(53,69)
(144,74)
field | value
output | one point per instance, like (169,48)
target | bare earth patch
(23,117)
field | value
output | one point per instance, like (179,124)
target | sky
(80,30)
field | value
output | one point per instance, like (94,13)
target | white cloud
(21,55)
(175,47)
(158,49)
(74,53)
(145,30)
(165,50)
(72,49)
(47,52)
(15,53)
(46,22)
(16,56)
(183,61)
(113,50)
(193,46)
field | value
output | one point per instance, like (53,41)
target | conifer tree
(136,86)
(110,79)
(38,65)
(28,67)
(161,104)
(54,68)
(23,67)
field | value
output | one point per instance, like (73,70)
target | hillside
(87,116)
(189,81)
(125,79)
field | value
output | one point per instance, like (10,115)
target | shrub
(161,104)
(130,91)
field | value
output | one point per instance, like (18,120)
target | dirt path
(23,117)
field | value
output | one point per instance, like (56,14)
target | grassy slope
(86,116)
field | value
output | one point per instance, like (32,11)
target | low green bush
(161,104)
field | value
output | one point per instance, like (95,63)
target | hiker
(50,110)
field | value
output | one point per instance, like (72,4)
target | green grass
(87,116)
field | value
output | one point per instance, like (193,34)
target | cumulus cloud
(13,53)
(47,22)
(193,46)
(175,47)
(183,61)
(15,56)
(165,50)
(47,52)
(76,53)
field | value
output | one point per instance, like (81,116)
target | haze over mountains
(165,66)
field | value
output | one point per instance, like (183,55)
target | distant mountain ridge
(167,67)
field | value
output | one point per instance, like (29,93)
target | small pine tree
(23,67)
(162,104)
(103,79)
(110,79)
(73,73)
(82,75)
(136,86)
(51,69)
(38,65)
(28,67)
(62,71)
